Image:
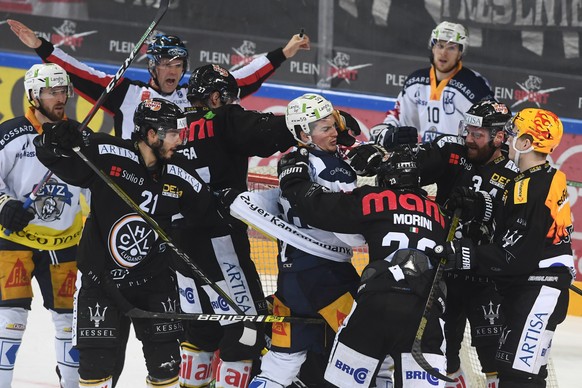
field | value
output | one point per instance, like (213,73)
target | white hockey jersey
(436,109)
(58,220)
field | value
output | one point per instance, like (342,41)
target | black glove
(460,255)
(474,205)
(61,137)
(225,198)
(12,215)
(366,158)
(347,128)
(390,136)
(293,167)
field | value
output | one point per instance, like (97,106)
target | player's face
(446,55)
(172,140)
(53,101)
(478,144)
(324,134)
(169,72)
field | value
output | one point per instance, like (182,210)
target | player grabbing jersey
(124,260)
(530,258)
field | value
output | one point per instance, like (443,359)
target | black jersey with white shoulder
(116,239)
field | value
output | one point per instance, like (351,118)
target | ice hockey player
(473,160)
(401,226)
(167,64)
(309,285)
(223,136)
(530,259)
(434,99)
(42,242)
(123,258)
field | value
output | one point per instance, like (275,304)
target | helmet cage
(46,75)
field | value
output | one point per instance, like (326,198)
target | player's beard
(480,155)
(55,114)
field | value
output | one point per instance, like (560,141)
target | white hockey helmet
(450,32)
(305,110)
(46,75)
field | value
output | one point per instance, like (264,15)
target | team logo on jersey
(51,200)
(130,240)
(66,35)
(448,99)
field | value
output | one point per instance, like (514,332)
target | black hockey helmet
(488,114)
(166,46)
(210,78)
(400,170)
(158,114)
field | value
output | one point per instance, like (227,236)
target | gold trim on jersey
(44,238)
(437,90)
(520,192)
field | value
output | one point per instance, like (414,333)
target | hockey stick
(161,233)
(161,12)
(416,345)
(576,289)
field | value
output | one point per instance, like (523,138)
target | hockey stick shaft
(161,233)
(114,80)
(576,289)
(416,345)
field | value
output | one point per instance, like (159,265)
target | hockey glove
(12,215)
(347,128)
(61,137)
(460,255)
(225,198)
(293,167)
(474,205)
(390,136)
(366,159)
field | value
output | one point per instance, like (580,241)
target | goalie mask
(450,33)
(544,127)
(303,111)
(46,75)
(161,115)
(400,171)
(212,78)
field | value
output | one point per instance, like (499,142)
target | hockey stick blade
(164,4)
(139,313)
(416,345)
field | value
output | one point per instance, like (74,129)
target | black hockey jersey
(221,141)
(116,239)
(533,230)
(388,219)
(444,162)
